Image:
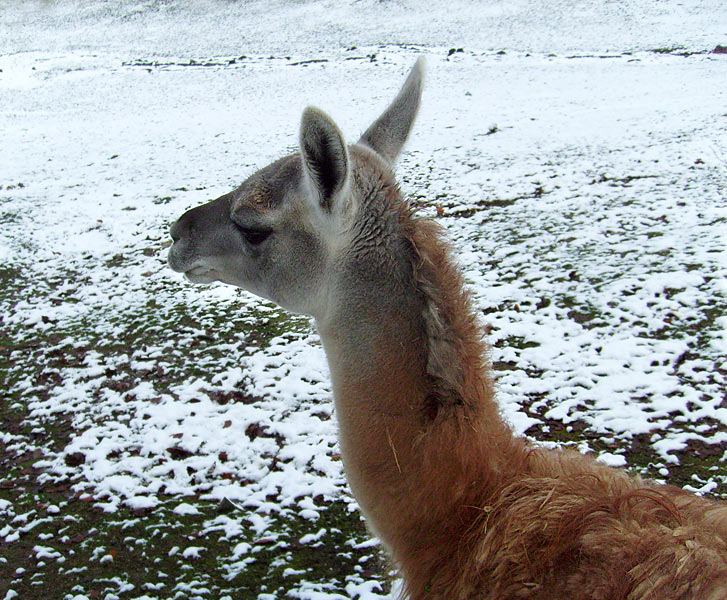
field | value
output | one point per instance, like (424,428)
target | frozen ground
(166,441)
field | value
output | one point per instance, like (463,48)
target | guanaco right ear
(388,133)
(325,156)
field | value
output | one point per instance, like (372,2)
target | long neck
(420,434)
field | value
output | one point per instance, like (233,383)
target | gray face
(264,237)
(282,233)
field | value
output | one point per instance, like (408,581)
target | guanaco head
(280,234)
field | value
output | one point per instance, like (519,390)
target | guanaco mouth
(201,274)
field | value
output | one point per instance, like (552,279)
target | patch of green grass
(517,342)
(157,551)
(7,217)
(79,549)
(291,559)
(698,462)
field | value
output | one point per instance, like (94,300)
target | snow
(186,509)
(612,460)
(602,272)
(192,552)
(312,537)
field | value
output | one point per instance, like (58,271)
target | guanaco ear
(325,156)
(389,132)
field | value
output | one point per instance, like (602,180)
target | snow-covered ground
(576,156)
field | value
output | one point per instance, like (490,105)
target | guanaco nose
(212,214)
(176,230)
(183,225)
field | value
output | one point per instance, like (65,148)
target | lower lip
(201,275)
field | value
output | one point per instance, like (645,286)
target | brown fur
(471,512)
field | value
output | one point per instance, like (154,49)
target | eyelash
(254,237)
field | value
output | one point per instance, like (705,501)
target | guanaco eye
(254,237)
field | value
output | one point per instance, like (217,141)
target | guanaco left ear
(388,133)
(325,156)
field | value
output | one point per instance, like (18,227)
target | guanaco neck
(410,435)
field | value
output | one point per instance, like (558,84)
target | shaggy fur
(497,518)
(467,510)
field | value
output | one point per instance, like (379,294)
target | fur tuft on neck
(456,351)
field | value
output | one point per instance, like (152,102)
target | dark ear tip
(315,116)
(311,112)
